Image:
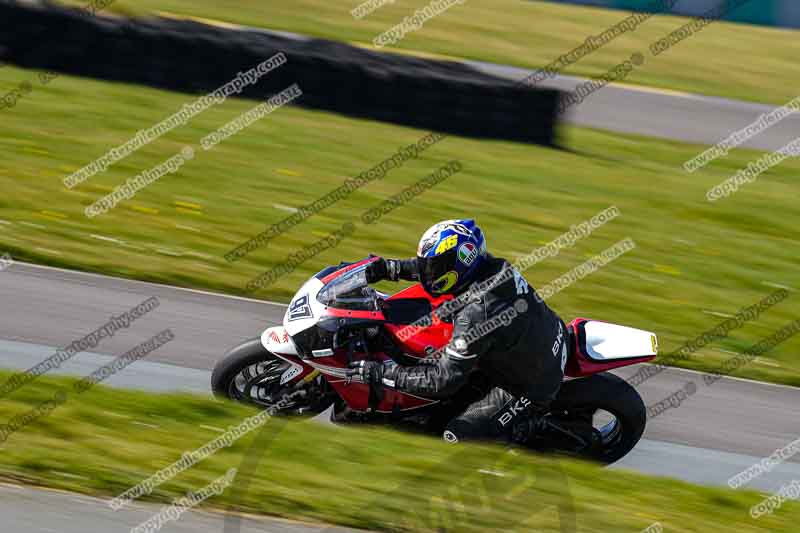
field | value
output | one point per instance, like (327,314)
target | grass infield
(105,441)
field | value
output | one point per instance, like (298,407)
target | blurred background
(626,93)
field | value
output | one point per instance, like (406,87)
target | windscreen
(349,291)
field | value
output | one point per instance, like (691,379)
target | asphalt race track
(667,114)
(21,508)
(717,432)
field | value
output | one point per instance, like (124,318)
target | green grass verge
(105,441)
(725,59)
(694,260)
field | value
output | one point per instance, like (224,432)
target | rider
(499,324)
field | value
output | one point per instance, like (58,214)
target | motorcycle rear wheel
(581,402)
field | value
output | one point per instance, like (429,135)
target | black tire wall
(187,56)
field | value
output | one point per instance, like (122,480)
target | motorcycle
(301,367)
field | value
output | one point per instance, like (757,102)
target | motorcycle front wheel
(249,373)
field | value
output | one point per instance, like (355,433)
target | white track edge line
(140,282)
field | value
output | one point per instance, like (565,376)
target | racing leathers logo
(513,410)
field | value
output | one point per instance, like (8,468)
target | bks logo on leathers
(513,410)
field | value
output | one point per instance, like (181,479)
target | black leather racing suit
(508,333)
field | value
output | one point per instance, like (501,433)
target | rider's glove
(377,270)
(370,372)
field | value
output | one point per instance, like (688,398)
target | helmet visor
(437,274)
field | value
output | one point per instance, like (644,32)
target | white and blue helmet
(449,254)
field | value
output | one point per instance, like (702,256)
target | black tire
(237,360)
(232,363)
(614,395)
(251,363)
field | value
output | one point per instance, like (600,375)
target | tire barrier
(187,56)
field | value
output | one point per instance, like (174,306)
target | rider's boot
(530,424)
